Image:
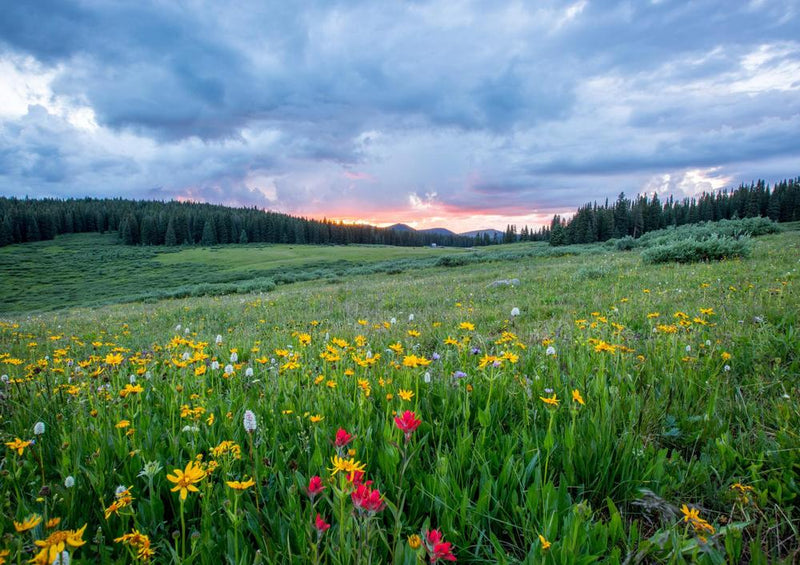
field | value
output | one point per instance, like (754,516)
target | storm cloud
(462,114)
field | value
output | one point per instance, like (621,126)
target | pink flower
(367,500)
(315,486)
(437,547)
(320,524)
(408,422)
(342,438)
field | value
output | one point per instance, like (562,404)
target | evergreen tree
(209,236)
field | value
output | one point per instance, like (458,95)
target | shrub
(626,243)
(713,248)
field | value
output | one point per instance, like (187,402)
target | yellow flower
(55,544)
(545,544)
(693,514)
(413,333)
(576,397)
(241,485)
(349,466)
(122,424)
(114,359)
(552,400)
(28,523)
(414,361)
(52,523)
(414,541)
(468,326)
(18,444)
(185,480)
(316,418)
(406,395)
(726,356)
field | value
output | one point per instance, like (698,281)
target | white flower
(4,378)
(218,339)
(234,357)
(178,328)
(69,482)
(119,491)
(229,370)
(708,343)
(393,321)
(726,368)
(215,365)
(132,379)
(688,349)
(248,372)
(427,377)
(186,331)
(192,429)
(38,428)
(249,421)
(186,356)
(411,317)
(147,375)
(514,312)
(62,558)
(550,350)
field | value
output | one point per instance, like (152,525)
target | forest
(187,223)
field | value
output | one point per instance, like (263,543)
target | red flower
(366,499)
(408,422)
(320,524)
(315,486)
(437,547)
(342,438)
(357,478)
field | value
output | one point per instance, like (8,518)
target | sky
(457,114)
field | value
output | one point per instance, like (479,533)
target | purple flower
(459,375)
(476,350)
(436,356)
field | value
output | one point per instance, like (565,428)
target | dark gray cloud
(368,107)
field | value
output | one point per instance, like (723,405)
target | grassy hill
(682,448)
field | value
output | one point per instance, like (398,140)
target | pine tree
(170,238)
(209,236)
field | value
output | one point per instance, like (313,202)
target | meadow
(605,410)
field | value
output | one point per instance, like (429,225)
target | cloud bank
(460,114)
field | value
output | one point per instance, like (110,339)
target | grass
(688,375)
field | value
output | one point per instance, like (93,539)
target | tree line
(634,217)
(186,223)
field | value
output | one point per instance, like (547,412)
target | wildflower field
(604,410)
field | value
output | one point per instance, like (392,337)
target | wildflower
(406,395)
(249,421)
(316,418)
(315,486)
(320,525)
(414,541)
(725,356)
(52,523)
(38,428)
(438,548)
(114,359)
(228,370)
(234,356)
(459,375)
(56,543)
(576,397)
(18,445)
(514,312)
(550,350)
(185,480)
(140,542)
(426,377)
(69,482)
(150,470)
(551,400)
(342,438)
(122,498)
(241,485)
(545,544)
(367,500)
(726,368)
(28,523)
(62,558)
(218,340)
(408,423)
(468,326)
(248,372)
(122,424)
(348,466)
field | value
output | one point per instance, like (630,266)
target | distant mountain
(400,227)
(438,231)
(446,232)
(479,233)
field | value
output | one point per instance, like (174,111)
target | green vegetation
(637,413)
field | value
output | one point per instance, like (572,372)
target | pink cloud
(356,175)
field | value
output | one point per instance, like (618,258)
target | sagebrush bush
(714,248)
